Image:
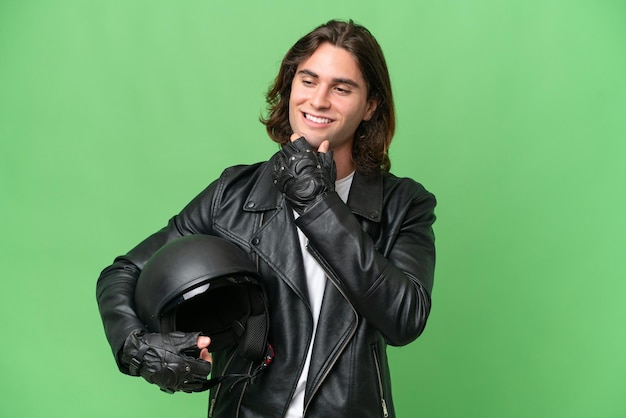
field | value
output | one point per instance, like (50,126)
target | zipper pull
(385,412)
(212,407)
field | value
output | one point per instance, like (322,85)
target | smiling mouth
(317,119)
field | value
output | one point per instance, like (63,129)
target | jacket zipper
(381,391)
(243,390)
(219,386)
(261,219)
(332,279)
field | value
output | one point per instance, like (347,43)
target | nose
(319,98)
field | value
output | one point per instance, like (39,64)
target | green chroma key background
(114,114)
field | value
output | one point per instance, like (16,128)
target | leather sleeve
(388,281)
(115,288)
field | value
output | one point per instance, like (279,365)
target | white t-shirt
(316,282)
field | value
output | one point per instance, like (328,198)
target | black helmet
(202,283)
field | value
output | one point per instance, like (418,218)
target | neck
(343,163)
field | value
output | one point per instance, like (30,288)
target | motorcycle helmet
(202,283)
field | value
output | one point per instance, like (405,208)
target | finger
(205,355)
(203,341)
(324,146)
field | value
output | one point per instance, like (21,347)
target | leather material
(378,252)
(303,175)
(202,283)
(169,361)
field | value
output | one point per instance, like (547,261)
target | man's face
(329,99)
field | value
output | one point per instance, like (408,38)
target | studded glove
(303,175)
(167,360)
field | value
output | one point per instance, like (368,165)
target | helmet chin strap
(267,360)
(241,378)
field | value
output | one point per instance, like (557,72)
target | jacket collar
(365,198)
(264,196)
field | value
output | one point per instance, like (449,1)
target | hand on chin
(322,146)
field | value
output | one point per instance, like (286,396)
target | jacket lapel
(276,239)
(366,196)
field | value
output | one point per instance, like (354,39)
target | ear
(372,105)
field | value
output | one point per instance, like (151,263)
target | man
(345,249)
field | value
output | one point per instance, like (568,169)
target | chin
(314,142)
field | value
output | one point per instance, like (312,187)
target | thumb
(324,146)
(203,341)
(205,355)
(295,136)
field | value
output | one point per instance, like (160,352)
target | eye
(342,90)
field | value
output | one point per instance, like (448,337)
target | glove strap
(135,362)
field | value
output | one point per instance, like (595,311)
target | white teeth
(316,119)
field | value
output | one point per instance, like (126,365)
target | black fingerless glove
(303,175)
(167,360)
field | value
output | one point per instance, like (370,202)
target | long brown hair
(372,137)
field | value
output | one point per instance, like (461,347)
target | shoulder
(248,185)
(241,170)
(239,175)
(396,187)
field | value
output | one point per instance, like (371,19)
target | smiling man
(328,101)
(344,249)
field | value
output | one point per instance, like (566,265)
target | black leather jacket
(378,253)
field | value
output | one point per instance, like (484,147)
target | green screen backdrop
(114,114)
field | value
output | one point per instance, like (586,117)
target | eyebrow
(347,81)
